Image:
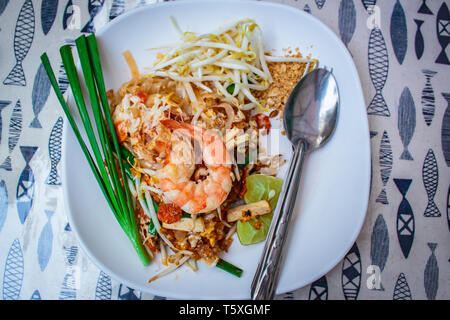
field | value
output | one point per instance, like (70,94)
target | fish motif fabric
(13,272)
(401,289)
(431,274)
(405,218)
(3,203)
(54,151)
(448,207)
(68,14)
(379,245)
(351,273)
(25,186)
(378,71)
(3,105)
(41,91)
(368,3)
(419,44)
(443,32)
(49,9)
(36,295)
(430,176)
(428,99)
(104,288)
(319,289)
(94,8)
(406,121)
(126,293)
(445,131)
(23,38)
(347,20)
(69,285)
(117,8)
(15,129)
(424,8)
(3,4)
(320,3)
(45,242)
(399,32)
(307,8)
(386,162)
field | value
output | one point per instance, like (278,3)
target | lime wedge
(259,187)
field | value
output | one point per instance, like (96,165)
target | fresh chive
(230,268)
(105,167)
(65,107)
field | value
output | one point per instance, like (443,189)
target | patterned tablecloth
(399,48)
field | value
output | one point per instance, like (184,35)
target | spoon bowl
(312,109)
(310,117)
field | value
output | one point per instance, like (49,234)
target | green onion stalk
(109,173)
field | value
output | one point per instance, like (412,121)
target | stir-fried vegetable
(259,187)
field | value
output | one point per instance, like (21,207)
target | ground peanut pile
(285,76)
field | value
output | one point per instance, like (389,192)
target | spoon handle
(266,276)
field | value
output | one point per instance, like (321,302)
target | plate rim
(366,137)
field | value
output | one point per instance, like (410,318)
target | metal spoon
(309,119)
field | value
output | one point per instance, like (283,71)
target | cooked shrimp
(175,177)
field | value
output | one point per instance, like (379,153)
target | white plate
(335,183)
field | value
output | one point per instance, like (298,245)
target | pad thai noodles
(192,123)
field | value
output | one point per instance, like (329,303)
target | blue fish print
(448,207)
(401,289)
(69,288)
(68,14)
(94,7)
(45,242)
(443,32)
(368,3)
(3,203)
(406,121)
(430,176)
(351,273)
(63,80)
(445,131)
(36,295)
(13,274)
(307,8)
(23,38)
(379,244)
(378,71)
(39,95)
(347,20)
(431,274)
(386,162)
(424,8)
(15,129)
(419,44)
(399,32)
(117,8)
(3,4)
(320,3)
(319,289)
(54,151)
(159,298)
(126,293)
(67,227)
(405,218)
(3,105)
(25,186)
(104,287)
(49,8)
(428,99)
